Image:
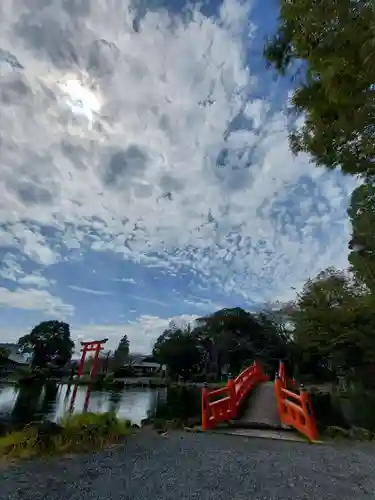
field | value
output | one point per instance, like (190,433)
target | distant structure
(142,365)
(13,360)
(14,353)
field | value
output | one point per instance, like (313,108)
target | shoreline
(121,383)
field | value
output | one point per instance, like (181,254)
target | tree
(362,217)
(334,324)
(236,337)
(177,348)
(4,353)
(122,352)
(49,342)
(331,47)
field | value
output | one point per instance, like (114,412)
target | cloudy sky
(145,171)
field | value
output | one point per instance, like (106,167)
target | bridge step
(262,411)
(240,424)
(254,433)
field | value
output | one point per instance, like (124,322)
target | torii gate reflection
(90,346)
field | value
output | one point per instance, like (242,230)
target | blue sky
(145,169)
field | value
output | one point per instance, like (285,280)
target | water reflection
(52,401)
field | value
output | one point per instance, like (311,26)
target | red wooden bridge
(276,404)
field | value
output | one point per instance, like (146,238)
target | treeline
(229,339)
(50,346)
(326,333)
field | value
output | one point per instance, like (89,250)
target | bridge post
(205,415)
(279,395)
(309,415)
(232,396)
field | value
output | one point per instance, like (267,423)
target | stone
(336,432)
(360,434)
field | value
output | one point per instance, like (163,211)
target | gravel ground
(185,466)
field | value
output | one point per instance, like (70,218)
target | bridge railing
(228,399)
(294,408)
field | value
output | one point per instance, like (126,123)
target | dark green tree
(122,352)
(178,350)
(49,342)
(330,48)
(236,337)
(362,217)
(4,353)
(334,324)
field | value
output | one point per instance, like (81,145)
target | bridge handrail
(226,408)
(297,413)
(216,392)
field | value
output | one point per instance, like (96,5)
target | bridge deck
(261,410)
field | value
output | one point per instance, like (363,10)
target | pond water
(53,401)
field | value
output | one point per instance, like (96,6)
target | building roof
(145,364)
(14,353)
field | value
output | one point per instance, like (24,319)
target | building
(14,358)
(142,365)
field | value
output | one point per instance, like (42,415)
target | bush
(326,411)
(76,433)
(181,403)
(109,378)
(32,375)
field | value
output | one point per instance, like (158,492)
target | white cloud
(88,290)
(12,270)
(126,280)
(33,299)
(141,333)
(138,174)
(35,280)
(149,300)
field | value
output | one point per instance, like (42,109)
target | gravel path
(185,466)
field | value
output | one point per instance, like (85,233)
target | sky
(145,170)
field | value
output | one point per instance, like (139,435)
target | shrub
(77,433)
(109,378)
(326,411)
(181,402)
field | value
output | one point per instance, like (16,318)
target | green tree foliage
(122,352)
(362,217)
(4,353)
(331,46)
(177,349)
(234,337)
(229,338)
(334,323)
(49,342)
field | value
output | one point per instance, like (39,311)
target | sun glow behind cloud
(81,99)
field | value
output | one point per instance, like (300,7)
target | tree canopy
(334,324)
(122,352)
(4,353)
(49,342)
(362,217)
(330,48)
(229,339)
(178,350)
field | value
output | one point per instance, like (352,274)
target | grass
(74,434)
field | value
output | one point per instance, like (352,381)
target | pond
(52,401)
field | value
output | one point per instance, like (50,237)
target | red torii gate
(90,346)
